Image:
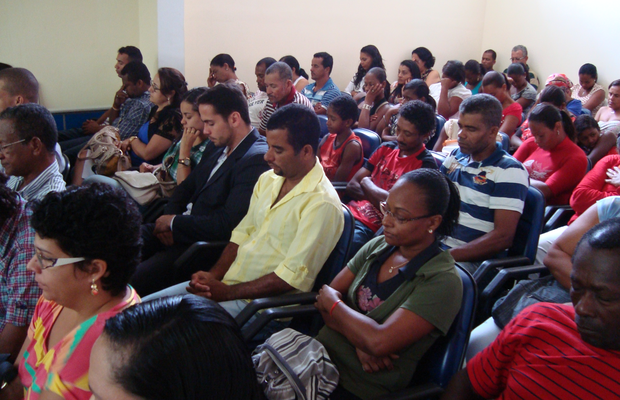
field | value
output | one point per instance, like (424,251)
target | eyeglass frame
(155,87)
(386,212)
(516,59)
(56,262)
(6,146)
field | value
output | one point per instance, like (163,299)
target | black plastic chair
(323,122)
(66,172)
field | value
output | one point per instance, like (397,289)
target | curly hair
(93,221)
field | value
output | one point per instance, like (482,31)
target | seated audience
(588,91)
(19,292)
(425,61)
(450,92)
(223,70)
(554,162)
(497,85)
(592,141)
(492,184)
(258,101)
(488,61)
(370,185)
(341,152)
(213,199)
(474,71)
(130,110)
(608,117)
(415,89)
(144,343)
(381,316)
(568,351)
(280,90)
(294,221)
(300,77)
(323,90)
(369,58)
(518,55)
(375,104)
(185,154)
(407,71)
(87,244)
(27,151)
(560,80)
(522,91)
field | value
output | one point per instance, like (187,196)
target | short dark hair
(172,79)
(474,66)
(345,107)
(301,123)
(419,114)
(226,99)
(222,59)
(94,221)
(328,60)
(589,69)
(454,69)
(496,79)
(33,120)
(516,69)
(136,71)
(20,81)
(486,105)
(132,52)
(493,54)
(420,88)
(440,197)
(614,83)
(554,95)
(192,95)
(4,66)
(425,55)
(584,122)
(267,61)
(192,336)
(603,236)
(282,69)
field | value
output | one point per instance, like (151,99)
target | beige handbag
(105,152)
(143,187)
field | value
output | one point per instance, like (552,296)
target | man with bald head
(17,86)
(280,91)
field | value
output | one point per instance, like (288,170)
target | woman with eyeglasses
(87,245)
(398,294)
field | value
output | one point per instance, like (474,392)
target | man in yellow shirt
(293,223)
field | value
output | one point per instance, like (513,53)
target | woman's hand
(124,145)
(211,79)
(373,92)
(146,167)
(326,299)
(187,141)
(614,176)
(375,364)
(447,83)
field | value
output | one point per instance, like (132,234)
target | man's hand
(165,238)
(163,224)
(119,98)
(204,284)
(614,176)
(375,364)
(90,127)
(318,108)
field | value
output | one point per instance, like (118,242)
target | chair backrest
(439,157)
(529,227)
(441,121)
(323,122)
(370,140)
(505,142)
(340,255)
(445,357)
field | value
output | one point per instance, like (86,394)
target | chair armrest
(270,302)
(251,329)
(425,391)
(498,263)
(340,186)
(194,251)
(560,217)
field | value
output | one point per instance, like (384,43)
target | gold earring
(94,290)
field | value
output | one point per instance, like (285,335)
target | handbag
(105,152)
(166,183)
(142,187)
(291,365)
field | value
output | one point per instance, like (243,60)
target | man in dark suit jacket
(215,196)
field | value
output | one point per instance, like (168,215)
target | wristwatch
(185,161)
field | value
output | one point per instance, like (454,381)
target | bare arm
(596,99)
(372,192)
(225,261)
(525,103)
(190,137)
(443,136)
(605,143)
(510,125)
(354,188)
(153,149)
(460,388)
(351,156)
(542,186)
(558,259)
(488,245)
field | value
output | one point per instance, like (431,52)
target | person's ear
(433,223)
(36,145)
(349,122)
(307,151)
(19,100)
(97,269)
(234,119)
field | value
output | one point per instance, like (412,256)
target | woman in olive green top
(398,294)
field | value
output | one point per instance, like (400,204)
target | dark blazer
(222,202)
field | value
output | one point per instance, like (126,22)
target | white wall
(560,35)
(249,30)
(70,45)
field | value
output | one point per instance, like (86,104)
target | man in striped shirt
(492,184)
(281,91)
(553,351)
(27,151)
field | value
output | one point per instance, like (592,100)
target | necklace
(397,266)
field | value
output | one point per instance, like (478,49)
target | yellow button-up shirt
(294,237)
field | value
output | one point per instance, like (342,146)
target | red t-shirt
(331,156)
(386,167)
(561,169)
(593,186)
(540,355)
(513,109)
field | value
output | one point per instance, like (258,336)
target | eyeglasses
(515,59)
(155,87)
(55,262)
(386,212)
(6,146)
